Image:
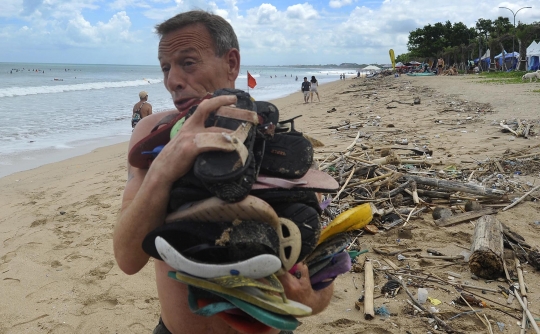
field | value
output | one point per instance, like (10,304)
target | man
(141,109)
(198,53)
(306,87)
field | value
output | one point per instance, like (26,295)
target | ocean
(51,112)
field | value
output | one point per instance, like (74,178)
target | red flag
(251,81)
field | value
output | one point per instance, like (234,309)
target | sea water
(50,112)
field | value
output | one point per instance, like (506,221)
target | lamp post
(514,34)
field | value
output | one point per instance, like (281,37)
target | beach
(57,266)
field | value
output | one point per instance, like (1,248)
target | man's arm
(146,194)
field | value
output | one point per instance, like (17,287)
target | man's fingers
(207,106)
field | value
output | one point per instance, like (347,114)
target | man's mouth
(185,104)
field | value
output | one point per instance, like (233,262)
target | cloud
(269,32)
(339,3)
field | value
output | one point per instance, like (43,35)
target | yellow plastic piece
(350,220)
(434,301)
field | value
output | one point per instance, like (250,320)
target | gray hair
(220,30)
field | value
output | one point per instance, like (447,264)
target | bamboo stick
(369,288)
(529,315)
(521,198)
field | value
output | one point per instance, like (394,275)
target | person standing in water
(141,109)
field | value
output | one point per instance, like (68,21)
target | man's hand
(178,156)
(298,288)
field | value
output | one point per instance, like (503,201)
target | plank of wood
(465,216)
(369,288)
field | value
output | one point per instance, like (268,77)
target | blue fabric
(534,63)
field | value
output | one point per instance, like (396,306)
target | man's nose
(175,79)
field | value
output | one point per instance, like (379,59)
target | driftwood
(369,288)
(456,186)
(487,248)
(465,216)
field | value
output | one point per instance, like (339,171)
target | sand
(57,267)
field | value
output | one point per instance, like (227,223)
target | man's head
(198,54)
(305,78)
(143,95)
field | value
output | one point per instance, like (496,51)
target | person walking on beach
(141,109)
(306,86)
(198,53)
(313,89)
(440,65)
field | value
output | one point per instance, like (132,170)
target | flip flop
(256,267)
(201,300)
(270,283)
(250,295)
(313,180)
(315,267)
(215,210)
(352,219)
(215,243)
(340,264)
(328,248)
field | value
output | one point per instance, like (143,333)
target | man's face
(191,68)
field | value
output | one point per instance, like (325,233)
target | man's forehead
(192,38)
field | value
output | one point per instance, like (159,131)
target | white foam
(23,91)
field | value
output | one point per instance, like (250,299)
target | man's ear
(233,63)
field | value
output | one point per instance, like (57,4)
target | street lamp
(514,26)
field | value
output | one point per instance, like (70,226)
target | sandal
(306,219)
(252,295)
(204,302)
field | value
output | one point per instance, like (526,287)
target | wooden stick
(369,288)
(344,185)
(456,186)
(433,257)
(414,193)
(391,264)
(524,318)
(529,315)
(371,180)
(354,142)
(521,198)
(469,305)
(520,278)
(489,325)
(465,216)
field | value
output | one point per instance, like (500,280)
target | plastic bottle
(422,295)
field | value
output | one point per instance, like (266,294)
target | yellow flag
(393,59)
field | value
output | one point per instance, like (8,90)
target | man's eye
(188,63)
(165,69)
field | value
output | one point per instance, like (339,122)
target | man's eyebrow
(182,51)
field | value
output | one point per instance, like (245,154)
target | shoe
(306,219)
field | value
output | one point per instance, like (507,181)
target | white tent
(371,68)
(486,55)
(533,49)
(533,56)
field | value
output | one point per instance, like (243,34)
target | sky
(270,32)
